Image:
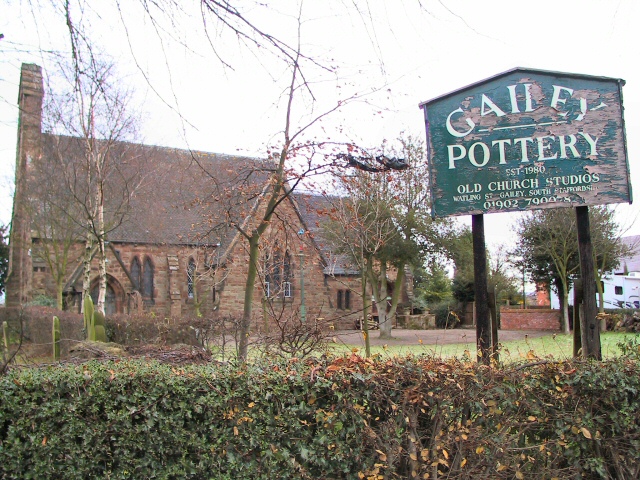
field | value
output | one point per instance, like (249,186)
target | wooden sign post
(590,328)
(483,321)
(523,140)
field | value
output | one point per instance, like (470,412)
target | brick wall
(530,319)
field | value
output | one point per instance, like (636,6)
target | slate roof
(174,196)
(180,197)
(313,210)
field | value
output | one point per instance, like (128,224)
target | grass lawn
(556,346)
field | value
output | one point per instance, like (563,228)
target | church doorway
(113,300)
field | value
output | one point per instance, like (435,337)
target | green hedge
(344,417)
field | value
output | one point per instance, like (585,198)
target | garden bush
(345,417)
(446,314)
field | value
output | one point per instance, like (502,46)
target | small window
(267,289)
(618,290)
(287,289)
(191,274)
(135,273)
(344,300)
(147,282)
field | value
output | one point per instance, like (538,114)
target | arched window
(135,273)
(147,281)
(278,275)
(191,275)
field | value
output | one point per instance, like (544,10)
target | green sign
(527,139)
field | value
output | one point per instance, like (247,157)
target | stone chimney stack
(29,149)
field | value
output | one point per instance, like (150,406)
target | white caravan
(622,291)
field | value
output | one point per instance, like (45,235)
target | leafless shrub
(219,334)
(290,337)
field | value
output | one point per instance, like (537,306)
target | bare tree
(98,113)
(253,198)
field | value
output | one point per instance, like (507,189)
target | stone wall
(529,319)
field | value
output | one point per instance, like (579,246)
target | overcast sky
(393,55)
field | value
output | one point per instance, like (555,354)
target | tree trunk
(563,298)
(59,287)
(102,277)
(384,320)
(196,301)
(245,325)
(600,290)
(397,290)
(365,315)
(565,313)
(102,254)
(86,273)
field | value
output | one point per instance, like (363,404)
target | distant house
(172,241)
(621,288)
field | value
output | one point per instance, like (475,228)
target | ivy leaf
(304,453)
(586,433)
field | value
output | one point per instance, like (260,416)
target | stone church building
(173,221)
